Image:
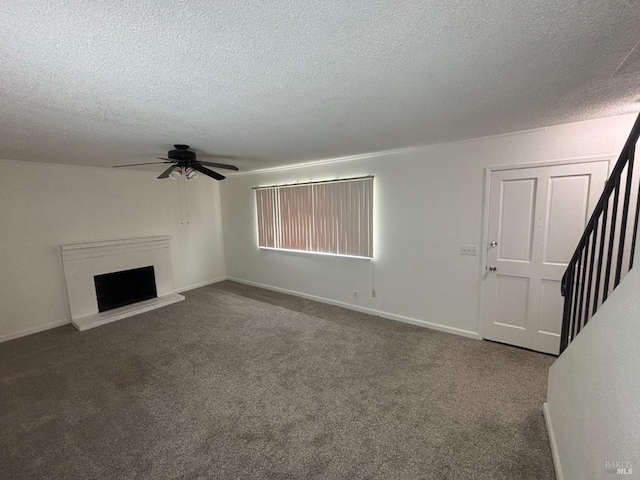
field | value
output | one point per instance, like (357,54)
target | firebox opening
(118,289)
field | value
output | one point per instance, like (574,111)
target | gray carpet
(242,383)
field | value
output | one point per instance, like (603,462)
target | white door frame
(485,213)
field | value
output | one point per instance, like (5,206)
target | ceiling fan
(183,162)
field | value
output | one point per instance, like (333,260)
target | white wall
(44,206)
(594,390)
(428,201)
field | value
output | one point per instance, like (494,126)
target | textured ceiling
(101,83)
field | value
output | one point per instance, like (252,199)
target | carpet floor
(238,382)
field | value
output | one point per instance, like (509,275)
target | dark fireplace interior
(118,289)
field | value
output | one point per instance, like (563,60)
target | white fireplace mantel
(83,261)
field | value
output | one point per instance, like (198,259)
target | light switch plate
(469,250)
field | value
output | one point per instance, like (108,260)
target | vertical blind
(333,217)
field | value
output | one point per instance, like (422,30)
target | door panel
(564,224)
(516,219)
(517,290)
(551,304)
(536,215)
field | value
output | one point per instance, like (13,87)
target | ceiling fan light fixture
(176,173)
(190,173)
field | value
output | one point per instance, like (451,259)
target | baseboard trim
(201,284)
(357,308)
(41,328)
(552,441)
(32,330)
(370,311)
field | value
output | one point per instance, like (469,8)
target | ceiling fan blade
(136,164)
(227,157)
(207,172)
(166,173)
(219,165)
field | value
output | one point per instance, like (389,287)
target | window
(334,217)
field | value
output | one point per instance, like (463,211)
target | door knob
(493,268)
(493,244)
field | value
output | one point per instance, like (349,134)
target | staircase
(606,249)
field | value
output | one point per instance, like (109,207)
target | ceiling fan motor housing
(182,154)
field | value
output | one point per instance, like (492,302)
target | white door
(536,218)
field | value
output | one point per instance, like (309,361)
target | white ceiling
(285,81)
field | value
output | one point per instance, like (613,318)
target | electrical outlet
(355,294)
(469,250)
(373,293)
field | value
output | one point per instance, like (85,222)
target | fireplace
(118,289)
(114,279)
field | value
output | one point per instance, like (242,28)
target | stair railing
(607,246)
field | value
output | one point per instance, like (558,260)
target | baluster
(623,222)
(567,279)
(632,154)
(576,287)
(594,236)
(585,256)
(612,234)
(605,211)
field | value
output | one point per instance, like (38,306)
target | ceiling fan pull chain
(180,203)
(186,200)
